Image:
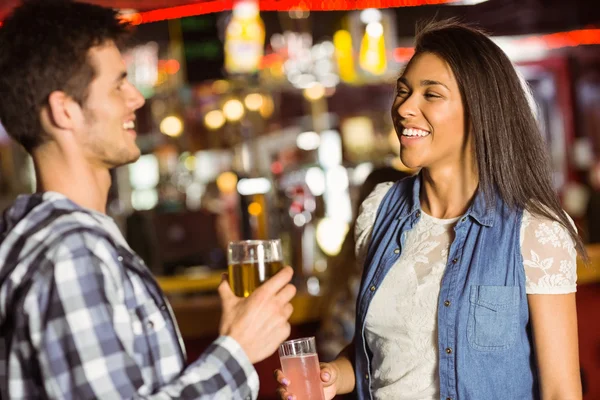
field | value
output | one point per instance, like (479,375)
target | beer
(244,278)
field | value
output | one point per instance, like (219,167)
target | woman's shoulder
(549,255)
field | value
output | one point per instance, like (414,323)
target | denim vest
(484,336)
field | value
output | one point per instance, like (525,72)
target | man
(80,315)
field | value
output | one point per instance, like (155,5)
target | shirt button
(447,303)
(372,288)
(454,261)
(464,219)
(163,308)
(120,258)
(150,325)
(396,251)
(418,214)
(366,377)
(449,350)
(448,398)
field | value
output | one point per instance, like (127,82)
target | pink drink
(304,374)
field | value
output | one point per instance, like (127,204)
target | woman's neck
(447,192)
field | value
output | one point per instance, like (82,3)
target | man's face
(108,124)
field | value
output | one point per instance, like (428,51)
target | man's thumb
(225,290)
(328,374)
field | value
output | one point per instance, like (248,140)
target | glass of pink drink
(300,364)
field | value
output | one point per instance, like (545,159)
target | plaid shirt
(82,318)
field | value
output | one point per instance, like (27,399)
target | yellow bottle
(244,39)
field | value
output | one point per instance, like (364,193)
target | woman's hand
(329,380)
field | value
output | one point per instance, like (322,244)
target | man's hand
(259,323)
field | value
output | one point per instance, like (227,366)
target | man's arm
(86,338)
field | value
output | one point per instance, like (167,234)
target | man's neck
(71,175)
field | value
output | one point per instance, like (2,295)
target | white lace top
(401,324)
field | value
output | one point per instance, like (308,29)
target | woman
(469,280)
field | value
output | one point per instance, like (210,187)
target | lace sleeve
(366,220)
(549,256)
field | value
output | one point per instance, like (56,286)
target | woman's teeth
(414,132)
(129,125)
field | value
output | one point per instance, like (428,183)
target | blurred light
(297,13)
(233,110)
(313,286)
(342,41)
(299,220)
(193,195)
(403,54)
(361,172)
(321,265)
(337,179)
(359,135)
(369,15)
(220,86)
(144,173)
(327,48)
(253,101)
(308,141)
(254,209)
(172,66)
(315,180)
(330,235)
(303,81)
(215,6)
(145,199)
(127,15)
(267,108)
(466,2)
(214,119)
(190,163)
(314,92)
(330,150)
(251,186)
(226,182)
(375,29)
(329,81)
(276,167)
(310,205)
(171,126)
(372,55)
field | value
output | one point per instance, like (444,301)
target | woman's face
(428,115)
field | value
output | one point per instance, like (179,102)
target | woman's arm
(554,323)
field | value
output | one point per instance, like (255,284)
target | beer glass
(252,262)
(300,364)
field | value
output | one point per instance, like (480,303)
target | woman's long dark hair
(512,156)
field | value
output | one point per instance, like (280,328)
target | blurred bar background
(264,118)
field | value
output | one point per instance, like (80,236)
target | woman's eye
(432,96)
(401,92)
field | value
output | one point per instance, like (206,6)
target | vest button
(366,377)
(372,288)
(449,350)
(454,260)
(396,251)
(120,258)
(447,303)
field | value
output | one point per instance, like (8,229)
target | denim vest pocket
(493,317)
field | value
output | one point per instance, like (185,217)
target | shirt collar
(479,210)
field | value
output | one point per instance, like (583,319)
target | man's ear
(62,110)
